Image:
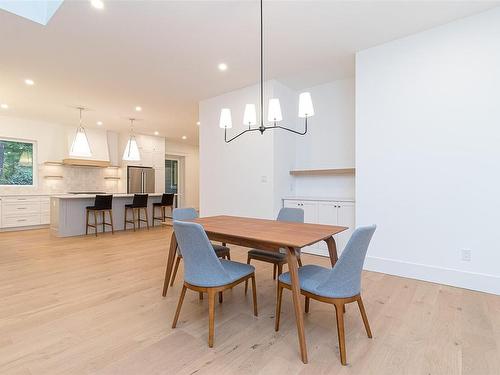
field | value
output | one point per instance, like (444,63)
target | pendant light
(131,152)
(274,115)
(80,146)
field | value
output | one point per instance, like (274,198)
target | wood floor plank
(88,305)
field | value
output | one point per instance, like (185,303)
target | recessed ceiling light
(99,123)
(198,123)
(222,67)
(157,132)
(4,106)
(29,82)
(98,4)
(184,137)
(138,108)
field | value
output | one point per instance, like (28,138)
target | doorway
(174,178)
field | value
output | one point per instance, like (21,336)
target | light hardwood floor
(89,305)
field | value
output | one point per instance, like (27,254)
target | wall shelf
(54,177)
(111,178)
(53,163)
(323,172)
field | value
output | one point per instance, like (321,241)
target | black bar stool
(167,200)
(102,204)
(139,203)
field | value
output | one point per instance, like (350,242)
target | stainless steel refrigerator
(140,180)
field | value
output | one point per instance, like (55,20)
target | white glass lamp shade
(131,152)
(225,118)
(306,108)
(250,115)
(274,111)
(80,146)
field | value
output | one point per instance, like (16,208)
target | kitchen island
(67,212)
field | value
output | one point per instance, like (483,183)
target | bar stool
(167,200)
(102,204)
(139,203)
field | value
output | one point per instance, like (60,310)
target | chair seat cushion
(156,204)
(310,276)
(134,206)
(220,250)
(271,255)
(235,271)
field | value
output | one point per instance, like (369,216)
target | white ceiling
(163,55)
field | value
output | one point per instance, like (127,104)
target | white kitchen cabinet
(24,211)
(329,212)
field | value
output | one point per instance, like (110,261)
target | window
(16,162)
(171,176)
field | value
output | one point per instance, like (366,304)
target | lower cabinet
(22,211)
(330,213)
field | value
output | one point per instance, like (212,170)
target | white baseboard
(448,276)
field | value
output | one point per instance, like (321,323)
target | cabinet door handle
(21,208)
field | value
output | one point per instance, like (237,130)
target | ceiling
(163,55)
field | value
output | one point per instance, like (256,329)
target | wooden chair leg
(246,281)
(254,295)
(125,220)
(307,304)
(279,295)
(228,256)
(280,269)
(87,221)
(176,267)
(365,318)
(111,221)
(200,296)
(179,305)
(299,261)
(340,331)
(275,269)
(103,221)
(95,222)
(211,317)
(133,219)
(221,298)
(147,217)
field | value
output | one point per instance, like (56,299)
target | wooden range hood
(87,163)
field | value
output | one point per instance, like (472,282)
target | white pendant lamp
(250,115)
(131,152)
(225,118)
(80,146)
(274,114)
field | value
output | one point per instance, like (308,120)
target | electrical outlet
(466,255)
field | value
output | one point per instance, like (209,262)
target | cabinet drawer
(20,221)
(20,199)
(9,208)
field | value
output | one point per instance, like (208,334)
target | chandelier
(274,115)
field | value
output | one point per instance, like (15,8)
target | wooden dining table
(270,235)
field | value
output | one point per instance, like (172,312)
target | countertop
(87,196)
(315,198)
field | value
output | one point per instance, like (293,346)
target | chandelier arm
(290,130)
(237,135)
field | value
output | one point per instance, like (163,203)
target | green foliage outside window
(16,163)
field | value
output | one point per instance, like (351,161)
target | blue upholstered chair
(339,285)
(295,215)
(204,272)
(181,214)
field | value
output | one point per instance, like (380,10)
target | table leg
(332,250)
(170,263)
(299,317)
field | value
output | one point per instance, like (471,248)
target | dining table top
(273,232)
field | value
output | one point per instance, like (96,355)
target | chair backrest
(345,277)
(180,214)
(103,202)
(140,200)
(167,199)
(201,265)
(295,215)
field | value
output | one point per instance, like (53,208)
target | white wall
(329,142)
(191,157)
(235,178)
(427,153)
